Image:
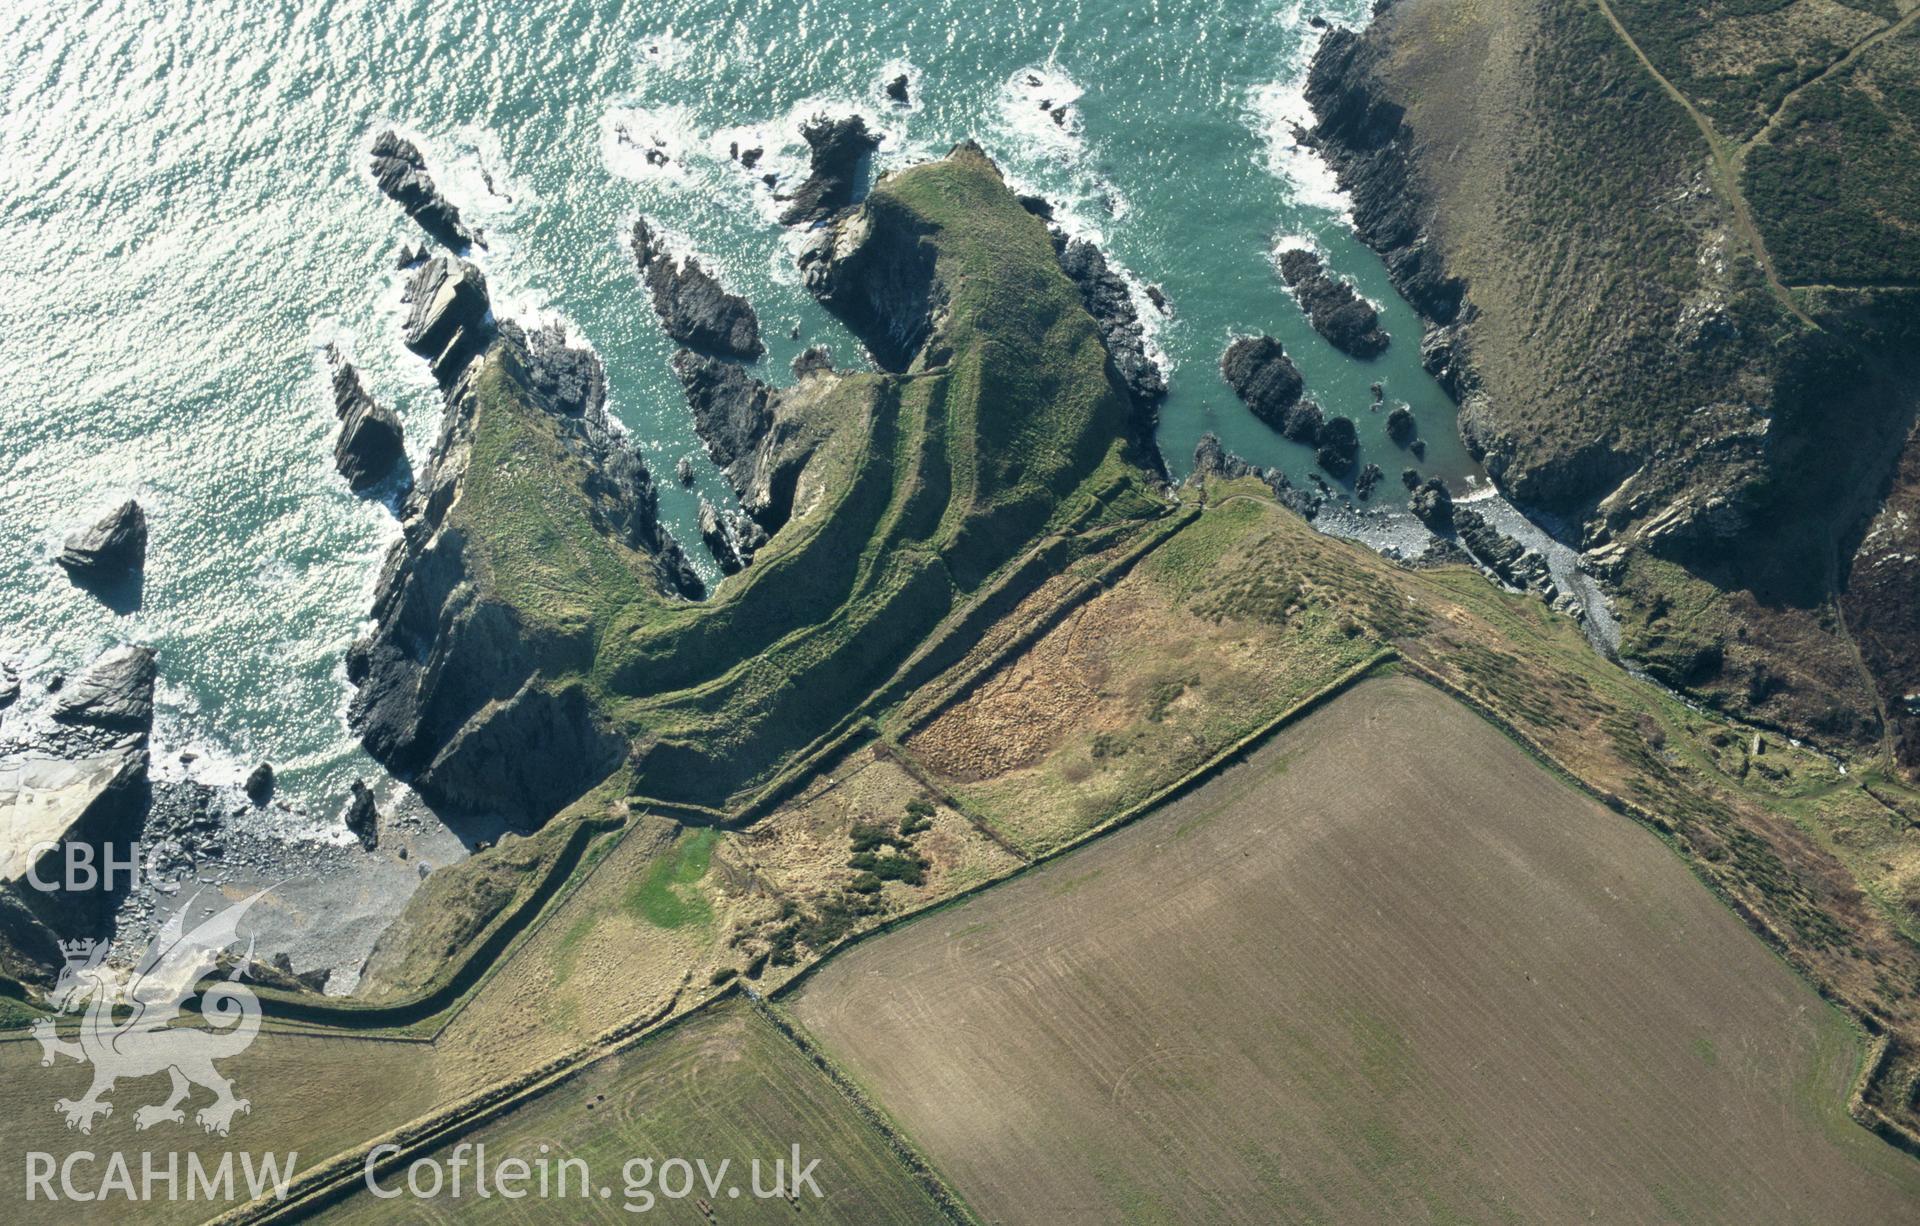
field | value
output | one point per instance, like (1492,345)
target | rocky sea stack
(111,553)
(371,443)
(401,172)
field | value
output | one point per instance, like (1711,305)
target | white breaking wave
(1276,111)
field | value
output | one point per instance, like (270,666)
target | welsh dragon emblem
(130,1028)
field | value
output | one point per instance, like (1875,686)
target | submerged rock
(692,306)
(401,173)
(371,442)
(114,549)
(1369,480)
(838,147)
(1347,320)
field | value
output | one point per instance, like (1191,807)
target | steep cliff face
(1601,300)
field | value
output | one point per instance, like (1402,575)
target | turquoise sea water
(185,217)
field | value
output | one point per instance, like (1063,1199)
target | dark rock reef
(401,173)
(1364,135)
(1347,320)
(371,443)
(837,149)
(1259,371)
(692,306)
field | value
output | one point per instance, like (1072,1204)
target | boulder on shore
(113,550)
(1347,320)
(363,816)
(259,784)
(833,174)
(693,307)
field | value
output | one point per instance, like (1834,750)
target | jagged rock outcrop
(371,443)
(897,89)
(875,270)
(732,410)
(449,316)
(1347,320)
(837,149)
(1364,135)
(113,550)
(363,816)
(455,688)
(401,173)
(1513,563)
(1401,427)
(693,307)
(1110,303)
(1212,459)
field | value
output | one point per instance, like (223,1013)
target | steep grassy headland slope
(1626,224)
(535,627)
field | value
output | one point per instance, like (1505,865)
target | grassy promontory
(1006,427)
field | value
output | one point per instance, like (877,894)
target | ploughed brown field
(1389,968)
